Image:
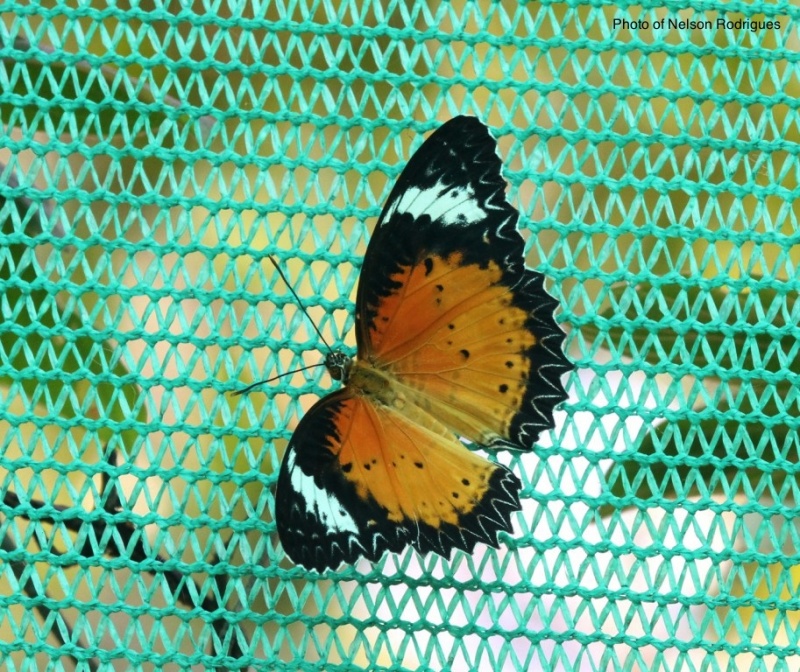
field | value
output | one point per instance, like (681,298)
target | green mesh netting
(153,153)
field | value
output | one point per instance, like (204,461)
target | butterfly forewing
(446,303)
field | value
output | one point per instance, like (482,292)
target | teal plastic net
(154,153)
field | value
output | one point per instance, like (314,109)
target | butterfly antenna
(313,324)
(299,303)
(245,390)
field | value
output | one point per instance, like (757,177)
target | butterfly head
(338,365)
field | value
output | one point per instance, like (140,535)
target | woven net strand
(153,154)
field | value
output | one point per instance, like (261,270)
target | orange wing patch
(452,333)
(386,450)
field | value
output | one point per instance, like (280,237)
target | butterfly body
(456,338)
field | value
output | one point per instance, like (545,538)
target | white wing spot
(450,205)
(323,504)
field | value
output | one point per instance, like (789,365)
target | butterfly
(456,338)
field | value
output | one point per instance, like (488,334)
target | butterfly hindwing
(360,478)
(446,303)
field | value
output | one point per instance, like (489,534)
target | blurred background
(153,154)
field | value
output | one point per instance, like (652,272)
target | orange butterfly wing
(446,303)
(365,478)
(455,337)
